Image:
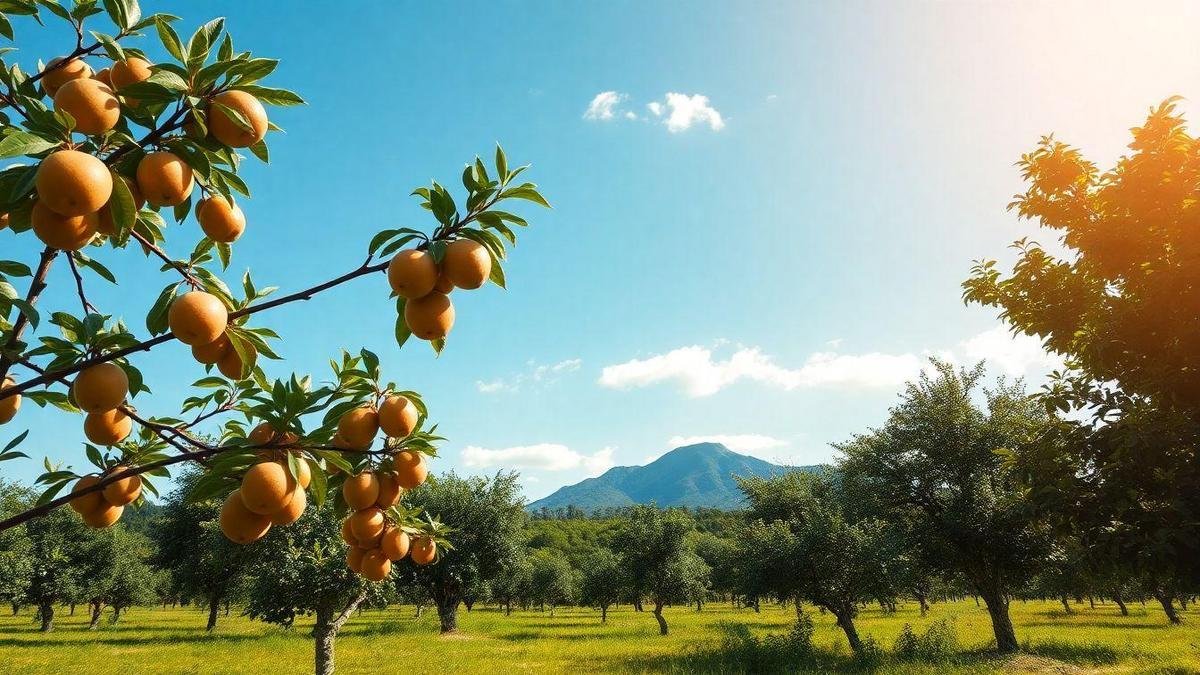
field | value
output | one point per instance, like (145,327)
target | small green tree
(602,583)
(938,468)
(806,544)
(514,584)
(203,563)
(653,545)
(307,575)
(16,562)
(60,549)
(488,518)
(133,581)
(554,581)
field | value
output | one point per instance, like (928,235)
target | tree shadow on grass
(99,639)
(1130,623)
(1090,654)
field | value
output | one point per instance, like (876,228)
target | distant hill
(699,475)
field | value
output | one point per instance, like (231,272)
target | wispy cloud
(699,372)
(678,112)
(604,106)
(541,456)
(681,111)
(538,373)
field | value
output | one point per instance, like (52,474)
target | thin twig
(88,308)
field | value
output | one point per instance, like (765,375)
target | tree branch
(36,286)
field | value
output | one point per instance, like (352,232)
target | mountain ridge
(697,475)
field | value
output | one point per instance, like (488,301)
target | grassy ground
(173,641)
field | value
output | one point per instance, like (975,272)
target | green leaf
(24,143)
(497,274)
(402,330)
(527,192)
(269,96)
(170,40)
(121,207)
(501,164)
(156,319)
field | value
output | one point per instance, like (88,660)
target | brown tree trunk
(46,612)
(325,633)
(1164,599)
(446,597)
(845,620)
(1120,603)
(1066,605)
(662,623)
(95,607)
(603,613)
(997,606)
(214,606)
(116,614)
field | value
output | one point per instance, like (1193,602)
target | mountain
(694,475)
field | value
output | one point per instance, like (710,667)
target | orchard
(111,149)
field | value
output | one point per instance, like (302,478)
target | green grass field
(392,640)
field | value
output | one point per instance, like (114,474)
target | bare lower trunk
(325,633)
(1120,603)
(95,609)
(845,620)
(1183,602)
(214,606)
(1164,599)
(46,612)
(922,601)
(446,597)
(508,609)
(420,608)
(637,605)
(699,605)
(662,623)
(116,614)
(16,607)
(997,606)
(1066,605)
(603,613)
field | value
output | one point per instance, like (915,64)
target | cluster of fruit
(374,541)
(199,320)
(269,493)
(425,284)
(74,188)
(102,508)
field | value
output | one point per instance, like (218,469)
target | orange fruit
(375,565)
(101,387)
(267,488)
(66,233)
(347,535)
(89,502)
(129,71)
(107,428)
(211,352)
(360,491)
(164,179)
(91,102)
(358,426)
(467,264)
(107,226)
(395,543)
(104,75)
(389,490)
(228,132)
(367,524)
(221,221)
(430,317)
(104,516)
(73,183)
(354,558)
(230,363)
(424,550)
(398,416)
(198,318)
(294,509)
(71,70)
(10,405)
(239,524)
(412,273)
(410,468)
(123,491)
(443,285)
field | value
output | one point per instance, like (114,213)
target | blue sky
(769,278)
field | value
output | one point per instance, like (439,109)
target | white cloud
(682,111)
(772,97)
(695,369)
(604,106)
(542,456)
(540,373)
(700,373)
(1016,355)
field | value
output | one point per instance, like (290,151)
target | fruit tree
(108,143)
